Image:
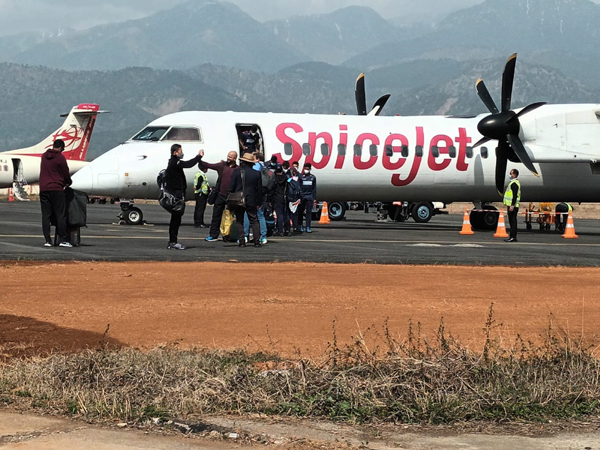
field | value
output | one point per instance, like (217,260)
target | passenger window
(389,151)
(435,151)
(484,152)
(288,149)
(306,150)
(405,151)
(419,151)
(452,151)
(341,150)
(151,134)
(357,150)
(325,149)
(469,152)
(373,150)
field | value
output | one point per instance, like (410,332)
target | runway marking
(341,241)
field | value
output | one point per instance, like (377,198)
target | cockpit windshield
(151,134)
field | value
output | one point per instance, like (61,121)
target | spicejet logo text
(287,134)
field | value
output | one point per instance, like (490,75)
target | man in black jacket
(176,184)
(279,201)
(252,187)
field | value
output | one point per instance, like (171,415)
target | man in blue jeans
(258,166)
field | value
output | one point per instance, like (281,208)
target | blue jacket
(308,186)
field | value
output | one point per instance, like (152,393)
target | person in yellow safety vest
(512,200)
(562,214)
(201,191)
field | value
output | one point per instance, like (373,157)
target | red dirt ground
(282,307)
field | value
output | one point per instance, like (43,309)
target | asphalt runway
(358,239)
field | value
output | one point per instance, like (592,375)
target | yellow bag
(227,223)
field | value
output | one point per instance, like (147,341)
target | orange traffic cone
(11,197)
(466,228)
(570,230)
(501,230)
(324,215)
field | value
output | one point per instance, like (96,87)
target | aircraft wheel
(337,210)
(422,212)
(133,216)
(489,220)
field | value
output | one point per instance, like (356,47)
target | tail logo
(70,137)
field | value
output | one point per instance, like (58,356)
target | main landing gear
(484,217)
(130,214)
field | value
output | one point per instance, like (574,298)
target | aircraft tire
(422,212)
(337,211)
(133,216)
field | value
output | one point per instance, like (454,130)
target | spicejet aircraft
(363,158)
(20,167)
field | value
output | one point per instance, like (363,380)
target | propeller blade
(521,153)
(481,142)
(508,78)
(501,163)
(361,97)
(485,97)
(379,104)
(530,108)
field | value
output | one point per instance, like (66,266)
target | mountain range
(210,55)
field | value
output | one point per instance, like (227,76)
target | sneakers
(211,239)
(308,230)
(242,243)
(48,244)
(65,244)
(175,246)
(301,229)
(257,244)
(263,241)
(277,233)
(510,240)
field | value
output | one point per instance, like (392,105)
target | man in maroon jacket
(225,170)
(54,178)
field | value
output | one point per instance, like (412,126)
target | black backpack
(161,179)
(268,179)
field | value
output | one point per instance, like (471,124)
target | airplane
(21,167)
(365,158)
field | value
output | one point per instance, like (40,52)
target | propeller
(361,99)
(504,125)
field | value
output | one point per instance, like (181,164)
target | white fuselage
(375,158)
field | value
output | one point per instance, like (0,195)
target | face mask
(307,172)
(181,156)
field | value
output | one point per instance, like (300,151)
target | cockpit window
(183,134)
(151,134)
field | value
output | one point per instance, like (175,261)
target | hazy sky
(39,15)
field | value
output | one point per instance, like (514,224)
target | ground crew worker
(562,214)
(512,199)
(201,188)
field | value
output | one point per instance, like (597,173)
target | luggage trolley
(544,216)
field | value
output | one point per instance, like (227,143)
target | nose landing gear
(130,214)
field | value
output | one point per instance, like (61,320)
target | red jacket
(54,172)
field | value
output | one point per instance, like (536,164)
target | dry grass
(407,381)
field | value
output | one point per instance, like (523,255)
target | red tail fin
(77,131)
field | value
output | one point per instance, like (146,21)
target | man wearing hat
(251,185)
